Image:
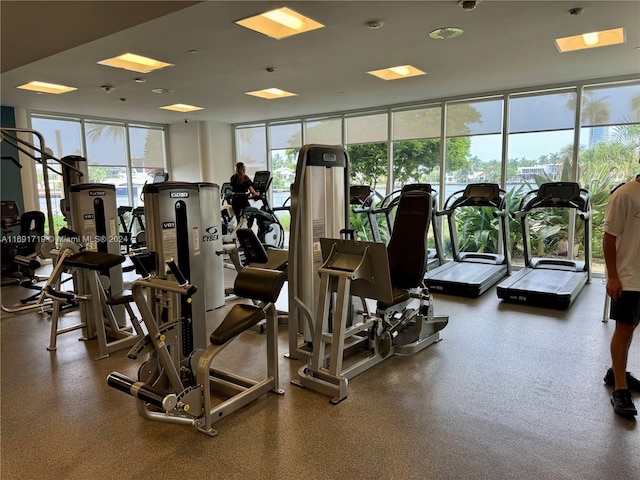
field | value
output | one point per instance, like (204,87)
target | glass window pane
(368,165)
(64,137)
(105,144)
(324,132)
(285,136)
(367,129)
(555,111)
(608,151)
(416,161)
(251,148)
(116,176)
(474,118)
(147,147)
(420,123)
(61,135)
(606,105)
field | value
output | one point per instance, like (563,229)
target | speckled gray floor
(511,392)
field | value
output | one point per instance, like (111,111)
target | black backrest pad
(407,249)
(259,284)
(253,250)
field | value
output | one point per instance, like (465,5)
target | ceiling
(506,45)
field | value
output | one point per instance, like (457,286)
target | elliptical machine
(270,230)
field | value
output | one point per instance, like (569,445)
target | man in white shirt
(621,244)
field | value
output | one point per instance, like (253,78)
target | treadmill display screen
(564,191)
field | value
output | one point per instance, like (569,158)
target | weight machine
(346,341)
(174,388)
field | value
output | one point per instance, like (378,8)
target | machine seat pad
(121,298)
(399,295)
(239,318)
(259,284)
(94,260)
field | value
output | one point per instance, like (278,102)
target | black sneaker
(623,403)
(632,382)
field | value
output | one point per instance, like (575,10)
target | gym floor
(510,392)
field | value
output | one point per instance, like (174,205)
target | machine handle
(139,265)
(173,267)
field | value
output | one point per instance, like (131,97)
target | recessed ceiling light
(43,87)
(161,90)
(271,93)
(135,63)
(591,40)
(394,73)
(280,23)
(181,107)
(445,33)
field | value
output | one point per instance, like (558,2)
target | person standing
(241,185)
(621,245)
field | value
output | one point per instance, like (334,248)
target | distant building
(550,170)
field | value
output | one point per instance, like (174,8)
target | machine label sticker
(178,194)
(211,234)
(113,229)
(166,225)
(196,241)
(169,244)
(88,216)
(97,193)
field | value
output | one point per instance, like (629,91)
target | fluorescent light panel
(591,40)
(271,93)
(181,107)
(394,73)
(44,87)
(280,23)
(135,63)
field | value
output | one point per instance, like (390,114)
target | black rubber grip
(138,389)
(139,266)
(176,272)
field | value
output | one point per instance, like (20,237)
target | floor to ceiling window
(125,155)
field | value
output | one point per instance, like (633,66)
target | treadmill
(544,281)
(470,274)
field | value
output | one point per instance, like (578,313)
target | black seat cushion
(239,318)
(94,260)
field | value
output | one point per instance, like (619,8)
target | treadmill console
(563,191)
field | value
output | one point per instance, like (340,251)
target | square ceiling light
(181,107)
(271,93)
(135,63)
(394,73)
(591,40)
(44,87)
(280,23)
